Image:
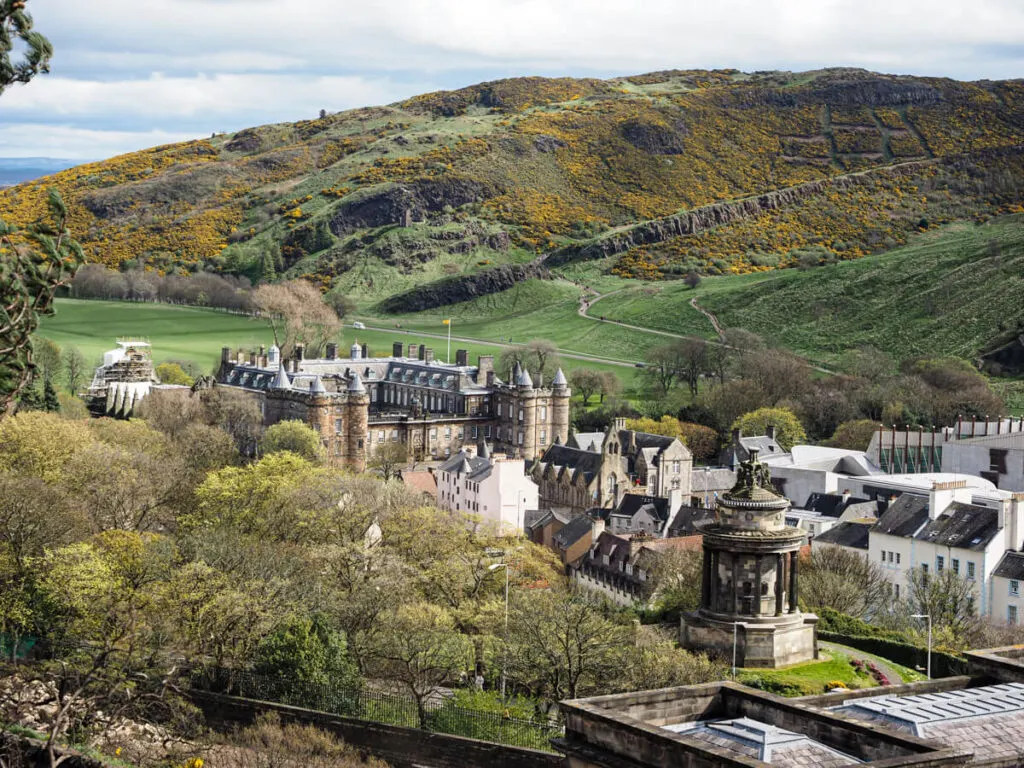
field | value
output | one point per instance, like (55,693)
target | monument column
(705,585)
(736,602)
(780,580)
(792,581)
(756,603)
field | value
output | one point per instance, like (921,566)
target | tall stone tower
(750,582)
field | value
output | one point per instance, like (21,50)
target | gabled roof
(587,441)
(633,503)
(687,519)
(832,504)
(965,526)
(905,516)
(578,460)
(854,535)
(1011,566)
(476,468)
(573,531)
(647,440)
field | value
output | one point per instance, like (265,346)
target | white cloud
(41,140)
(231,63)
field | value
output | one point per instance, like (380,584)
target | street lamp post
(927,616)
(504,654)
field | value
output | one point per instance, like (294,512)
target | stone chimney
(422,352)
(332,351)
(396,349)
(366,350)
(618,423)
(945,493)
(414,351)
(428,355)
(225,355)
(770,431)
(300,350)
(461,357)
(252,358)
(1011,516)
(485,370)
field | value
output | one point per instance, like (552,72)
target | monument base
(759,642)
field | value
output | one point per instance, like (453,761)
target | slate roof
(686,520)
(832,504)
(572,532)
(853,535)
(632,503)
(766,743)
(988,721)
(587,441)
(966,526)
(538,518)
(905,516)
(1011,566)
(475,468)
(563,456)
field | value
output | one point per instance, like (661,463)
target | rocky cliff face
(458,289)
(708,217)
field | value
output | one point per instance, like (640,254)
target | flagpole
(448,354)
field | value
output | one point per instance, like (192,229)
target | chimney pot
(300,350)
(413,351)
(366,351)
(461,357)
(396,349)
(427,355)
(332,351)
(422,351)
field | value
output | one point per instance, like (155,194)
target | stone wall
(399,747)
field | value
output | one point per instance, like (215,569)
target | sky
(130,74)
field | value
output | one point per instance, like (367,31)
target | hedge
(943,664)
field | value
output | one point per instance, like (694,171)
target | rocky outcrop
(246,142)
(402,204)
(710,216)
(458,289)
(656,138)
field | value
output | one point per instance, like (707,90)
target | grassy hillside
(375,200)
(954,291)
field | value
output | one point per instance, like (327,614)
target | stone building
(360,403)
(123,380)
(597,470)
(749,591)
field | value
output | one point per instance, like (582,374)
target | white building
(494,488)
(1007,588)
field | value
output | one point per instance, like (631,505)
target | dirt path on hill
(887,669)
(710,316)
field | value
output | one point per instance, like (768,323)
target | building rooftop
(989,721)
(573,531)
(1011,566)
(767,743)
(852,534)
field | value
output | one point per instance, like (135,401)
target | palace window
(970,570)
(955,565)
(1011,614)
(1014,588)
(940,563)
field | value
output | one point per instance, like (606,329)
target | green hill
(956,291)
(379,200)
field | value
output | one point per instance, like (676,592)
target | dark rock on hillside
(655,138)
(841,90)
(402,204)
(1007,359)
(247,141)
(190,185)
(458,289)
(707,217)
(545,143)
(311,237)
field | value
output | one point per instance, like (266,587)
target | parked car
(359,326)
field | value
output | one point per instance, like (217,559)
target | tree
(587,382)
(676,581)
(172,373)
(610,385)
(297,314)
(388,459)
(654,661)
(722,404)
(37,261)
(692,279)
(51,404)
(560,646)
(16,35)
(307,649)
(693,361)
(853,435)
(419,649)
(294,436)
(779,375)
(341,304)
(788,429)
(845,581)
(75,369)
(539,357)
(41,445)
(47,358)
(668,426)
(702,441)
(662,368)
(948,598)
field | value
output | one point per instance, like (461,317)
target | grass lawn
(812,677)
(952,291)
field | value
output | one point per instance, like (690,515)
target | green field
(196,334)
(953,291)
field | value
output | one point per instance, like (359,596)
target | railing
(439,715)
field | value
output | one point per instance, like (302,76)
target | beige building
(598,469)
(361,403)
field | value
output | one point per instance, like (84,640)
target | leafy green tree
(788,429)
(47,358)
(51,403)
(668,426)
(294,436)
(16,34)
(35,261)
(702,441)
(75,369)
(172,373)
(853,435)
(308,649)
(388,459)
(37,444)
(587,382)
